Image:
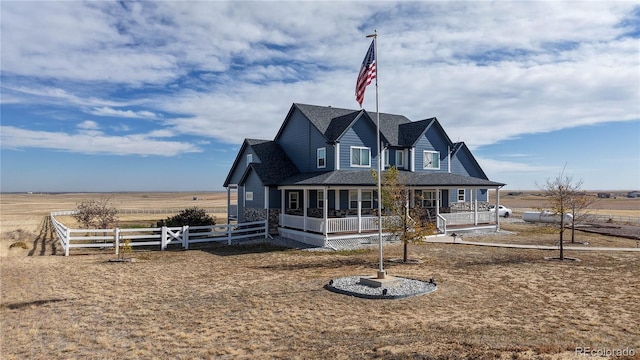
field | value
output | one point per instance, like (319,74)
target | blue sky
(158,96)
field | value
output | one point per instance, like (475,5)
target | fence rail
(159,236)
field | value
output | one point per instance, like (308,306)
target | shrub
(96,214)
(193,216)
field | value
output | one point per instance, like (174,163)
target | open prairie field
(260,301)
(25,211)
(618,205)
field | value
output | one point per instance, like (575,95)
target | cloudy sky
(158,96)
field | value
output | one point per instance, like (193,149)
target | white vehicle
(502,210)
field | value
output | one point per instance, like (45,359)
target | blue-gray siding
(361,134)
(242,164)
(300,140)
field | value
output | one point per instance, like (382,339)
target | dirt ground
(266,302)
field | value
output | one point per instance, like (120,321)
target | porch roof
(364,178)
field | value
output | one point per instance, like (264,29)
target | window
(293,201)
(249,196)
(322,157)
(386,158)
(399,159)
(426,198)
(320,199)
(249,159)
(461,193)
(367,199)
(360,156)
(431,159)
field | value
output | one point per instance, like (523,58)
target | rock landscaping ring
(403,288)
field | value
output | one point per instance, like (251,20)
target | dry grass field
(267,302)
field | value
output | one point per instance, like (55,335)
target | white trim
(249,159)
(464,195)
(412,161)
(351,148)
(337,155)
(385,158)
(248,195)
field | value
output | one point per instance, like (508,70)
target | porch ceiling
(364,178)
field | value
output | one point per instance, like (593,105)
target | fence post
(185,237)
(117,240)
(163,239)
(228,234)
(67,240)
(266,229)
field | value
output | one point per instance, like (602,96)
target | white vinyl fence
(160,236)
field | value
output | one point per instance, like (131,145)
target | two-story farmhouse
(313,181)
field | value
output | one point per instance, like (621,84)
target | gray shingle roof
(365,178)
(332,122)
(275,164)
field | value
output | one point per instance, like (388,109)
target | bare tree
(97,214)
(563,195)
(404,221)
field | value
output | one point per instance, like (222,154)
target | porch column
(325,210)
(228,204)
(282,206)
(304,209)
(437,204)
(336,193)
(266,206)
(497,205)
(474,203)
(359,210)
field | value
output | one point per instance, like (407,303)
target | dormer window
(399,159)
(360,156)
(322,158)
(431,160)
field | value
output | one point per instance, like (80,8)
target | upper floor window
(399,159)
(431,159)
(360,156)
(322,157)
(249,196)
(249,159)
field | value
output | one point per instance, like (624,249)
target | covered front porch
(350,212)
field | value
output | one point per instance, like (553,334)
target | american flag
(367,73)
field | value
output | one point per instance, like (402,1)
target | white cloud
(108,111)
(92,142)
(88,125)
(230,70)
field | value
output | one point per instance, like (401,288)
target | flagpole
(381,272)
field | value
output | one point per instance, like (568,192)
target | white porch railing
(469,218)
(334,225)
